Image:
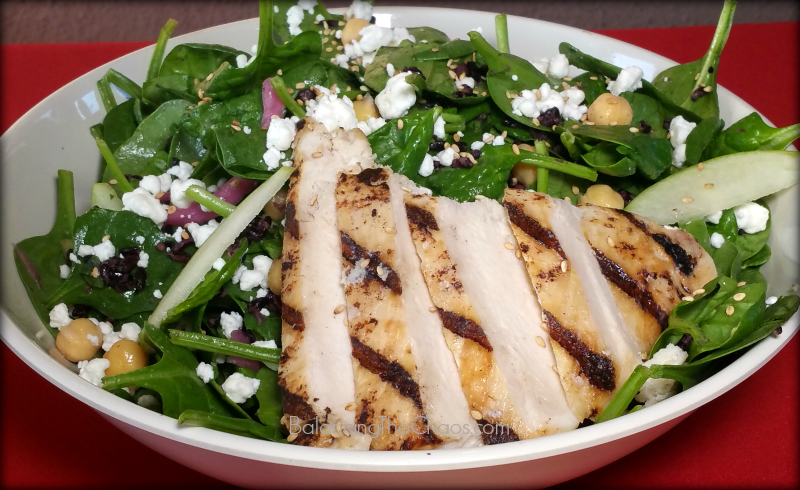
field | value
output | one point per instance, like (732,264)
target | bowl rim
(378,461)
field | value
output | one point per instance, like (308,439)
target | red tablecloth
(747,438)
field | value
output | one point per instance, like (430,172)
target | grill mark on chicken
(295,405)
(389,371)
(421,218)
(464,327)
(499,434)
(533,228)
(684,261)
(614,273)
(371,176)
(292,226)
(292,317)
(598,369)
(355,254)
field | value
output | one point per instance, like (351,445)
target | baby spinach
(751,133)
(119,124)
(700,137)
(239,427)
(445,51)
(270,402)
(428,35)
(195,61)
(38,258)
(646,109)
(309,22)
(693,85)
(649,156)
(404,149)
(123,227)
(593,86)
(242,154)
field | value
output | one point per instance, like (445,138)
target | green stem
(241,427)
(470,113)
(782,138)
(108,156)
(161,46)
(124,83)
(217,345)
(711,59)
(106,95)
(265,14)
(542,174)
(454,128)
(625,395)
(449,117)
(561,166)
(501,33)
(210,201)
(66,198)
(280,90)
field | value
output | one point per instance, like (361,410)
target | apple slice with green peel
(103,196)
(720,183)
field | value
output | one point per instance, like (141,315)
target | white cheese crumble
(468,81)
(177,192)
(359,10)
(205,372)
(371,125)
(264,311)
(656,390)
(390,69)
(679,129)
(239,387)
(426,167)
(218,264)
(716,240)
(446,157)
(230,322)
(542,65)
(63,271)
(140,240)
(93,339)
(157,294)
(476,145)
(104,250)
(294,16)
(144,260)
(498,141)
(269,344)
(714,218)
(751,217)
(333,112)
(628,80)
(771,300)
(151,183)
(59,316)
(181,171)
(514,77)
(532,103)
(438,128)
(200,233)
(396,98)
(94,370)
(281,133)
(559,66)
(144,204)
(272,157)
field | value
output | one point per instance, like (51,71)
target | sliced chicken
(404,374)
(491,319)
(316,371)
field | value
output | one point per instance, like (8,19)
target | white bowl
(65,117)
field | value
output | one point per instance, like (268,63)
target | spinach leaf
(700,137)
(270,403)
(242,154)
(119,124)
(158,90)
(445,51)
(593,86)
(240,427)
(173,377)
(403,150)
(751,133)
(651,156)
(693,85)
(195,61)
(646,109)
(38,258)
(429,35)
(123,227)
(280,22)
(749,244)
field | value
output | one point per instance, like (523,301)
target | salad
(167,292)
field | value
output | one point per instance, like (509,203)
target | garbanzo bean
(276,207)
(79,340)
(365,108)
(351,30)
(602,195)
(608,109)
(524,173)
(274,280)
(125,356)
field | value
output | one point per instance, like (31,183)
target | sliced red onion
(232,191)
(272,104)
(238,335)
(245,363)
(164,198)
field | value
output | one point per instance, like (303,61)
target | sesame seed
(389,229)
(476,415)
(538,94)
(455,148)
(159,195)
(363,88)
(399,124)
(700,166)
(729,310)
(456,137)
(483,94)
(709,186)
(535,121)
(588,123)
(316,154)
(479,196)
(575,126)
(607,80)
(210,76)
(610,241)
(687,298)
(325,39)
(340,48)
(359,97)
(697,76)
(364,263)
(300,85)
(313,201)
(199,93)
(564,266)
(379,270)
(344,320)
(699,291)
(432,309)
(687,199)
(113,181)
(568,199)
(540,341)
(235,127)
(280,72)
(739,296)
(435,49)
(106,238)
(515,149)
(708,89)
(350,407)
(592,78)
(613,123)
(405,189)
(184,235)
(504,133)
(454,77)
(633,130)
(518,253)
(555,369)
(509,246)
(275,116)
(329,49)
(446,145)
(290,90)
(569,79)
(95,272)
(339,309)
(171,209)
(488,139)
(740,284)
(575,190)
(291,437)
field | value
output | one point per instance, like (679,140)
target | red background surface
(748,438)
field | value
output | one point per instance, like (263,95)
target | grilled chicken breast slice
(491,318)
(390,331)
(315,372)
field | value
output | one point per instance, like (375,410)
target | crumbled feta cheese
(751,217)
(200,233)
(264,311)
(656,390)
(374,36)
(272,157)
(130,331)
(679,129)
(359,10)
(181,171)
(221,359)
(151,183)
(149,402)
(771,300)
(239,387)
(230,322)
(333,112)
(476,145)
(139,240)
(542,65)
(261,293)
(104,250)
(144,204)
(281,133)
(307,5)
(262,263)
(438,128)
(338,35)
(157,294)
(426,167)
(714,217)
(446,157)
(397,97)
(177,235)
(85,250)
(94,370)
(63,271)
(528,104)
(177,193)
(498,141)
(166,181)
(93,339)
(246,130)
(390,69)
(238,274)
(205,372)
(294,16)
(59,316)
(212,188)
(559,66)
(74,258)
(716,240)
(250,279)
(242,60)
(218,264)
(319,18)
(514,77)
(269,344)
(628,80)
(144,260)
(468,81)
(371,124)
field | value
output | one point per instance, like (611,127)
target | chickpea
(276,207)
(125,355)
(524,173)
(365,108)
(274,280)
(79,340)
(351,30)
(608,109)
(602,195)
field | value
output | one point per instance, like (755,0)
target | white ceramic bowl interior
(54,135)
